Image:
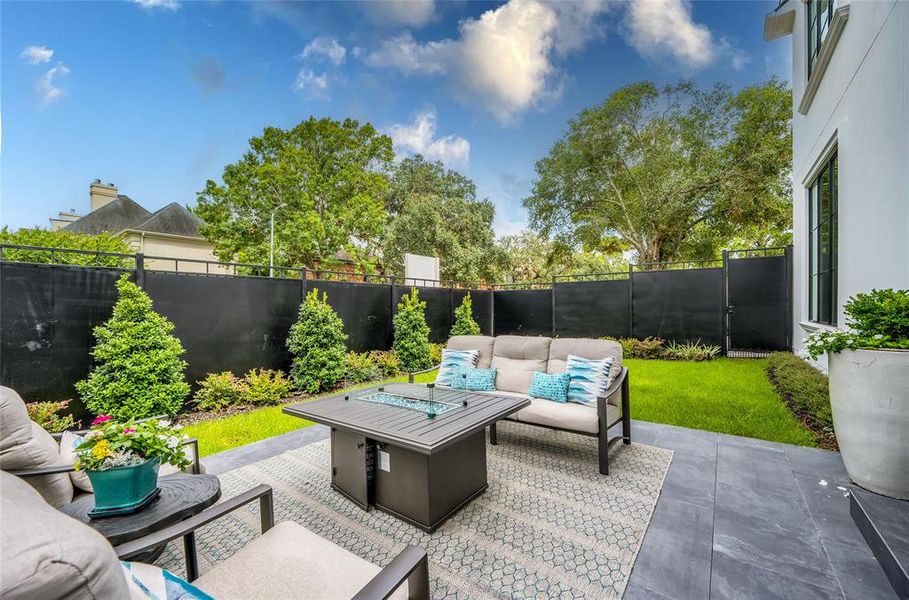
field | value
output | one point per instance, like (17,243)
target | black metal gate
(758,301)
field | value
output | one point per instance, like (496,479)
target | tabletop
(406,428)
(182,496)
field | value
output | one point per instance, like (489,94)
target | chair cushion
(585,348)
(550,386)
(25,445)
(474,380)
(517,357)
(589,378)
(289,561)
(483,343)
(577,417)
(453,361)
(68,444)
(46,554)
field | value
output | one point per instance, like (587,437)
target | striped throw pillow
(452,363)
(589,378)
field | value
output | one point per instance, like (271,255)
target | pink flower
(101,419)
(128,431)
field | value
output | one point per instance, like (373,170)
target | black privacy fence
(236,317)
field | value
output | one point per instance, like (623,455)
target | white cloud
(419,137)
(664,28)
(47,88)
(324,47)
(502,61)
(311,85)
(171,5)
(407,13)
(37,55)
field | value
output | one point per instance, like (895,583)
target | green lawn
(727,395)
(230,432)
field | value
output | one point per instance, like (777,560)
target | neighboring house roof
(124,213)
(113,217)
(174,219)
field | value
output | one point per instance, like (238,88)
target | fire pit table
(413,451)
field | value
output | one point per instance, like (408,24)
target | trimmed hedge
(805,391)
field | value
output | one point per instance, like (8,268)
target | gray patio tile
(235,458)
(684,442)
(636,591)
(829,508)
(858,572)
(691,479)
(816,462)
(787,511)
(739,580)
(675,557)
(751,467)
(737,440)
(784,545)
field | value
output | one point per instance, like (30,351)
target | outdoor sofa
(47,554)
(517,357)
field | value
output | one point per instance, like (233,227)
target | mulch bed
(823,434)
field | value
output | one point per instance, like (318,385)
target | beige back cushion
(585,348)
(517,357)
(46,554)
(25,445)
(483,343)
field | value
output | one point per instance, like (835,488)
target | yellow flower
(101,451)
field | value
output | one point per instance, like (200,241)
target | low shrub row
(805,391)
(260,387)
(654,348)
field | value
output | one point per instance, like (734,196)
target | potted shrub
(869,389)
(122,461)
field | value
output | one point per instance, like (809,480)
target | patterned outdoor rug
(548,526)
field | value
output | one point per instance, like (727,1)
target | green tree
(318,343)
(435,212)
(674,172)
(137,369)
(325,183)
(411,343)
(532,257)
(464,323)
(102,242)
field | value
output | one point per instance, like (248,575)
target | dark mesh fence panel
(758,295)
(679,305)
(439,310)
(592,309)
(523,312)
(365,310)
(482,307)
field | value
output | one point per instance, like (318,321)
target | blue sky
(157,96)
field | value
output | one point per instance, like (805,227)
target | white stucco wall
(863,104)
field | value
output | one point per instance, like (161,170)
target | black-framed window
(822,244)
(820,13)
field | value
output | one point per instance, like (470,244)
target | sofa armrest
(186,529)
(613,392)
(410,376)
(412,566)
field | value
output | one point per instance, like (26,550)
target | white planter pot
(869,395)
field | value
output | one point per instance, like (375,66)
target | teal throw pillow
(550,386)
(475,380)
(589,378)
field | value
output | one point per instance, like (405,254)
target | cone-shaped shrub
(464,323)
(319,345)
(412,333)
(137,368)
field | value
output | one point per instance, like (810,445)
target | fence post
(140,270)
(394,308)
(630,300)
(727,310)
(303,285)
(553,300)
(790,312)
(492,310)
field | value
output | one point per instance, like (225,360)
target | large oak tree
(675,172)
(325,181)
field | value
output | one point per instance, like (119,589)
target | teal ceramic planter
(124,490)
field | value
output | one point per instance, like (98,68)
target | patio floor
(737,518)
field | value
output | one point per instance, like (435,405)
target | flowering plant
(876,320)
(109,444)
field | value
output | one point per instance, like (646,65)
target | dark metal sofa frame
(619,385)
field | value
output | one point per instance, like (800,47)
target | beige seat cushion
(585,348)
(517,357)
(483,343)
(25,445)
(46,554)
(289,561)
(577,417)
